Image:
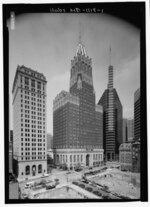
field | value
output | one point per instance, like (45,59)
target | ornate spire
(80,48)
(110,55)
(80,33)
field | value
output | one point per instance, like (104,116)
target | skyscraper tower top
(110,72)
(80,48)
(81,67)
(110,77)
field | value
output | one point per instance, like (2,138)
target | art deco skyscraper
(112,119)
(77,120)
(29,123)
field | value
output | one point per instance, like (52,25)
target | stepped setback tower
(77,120)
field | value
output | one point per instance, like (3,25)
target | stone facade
(30,169)
(29,123)
(79,157)
(125,156)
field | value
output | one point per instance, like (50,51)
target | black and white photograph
(75,125)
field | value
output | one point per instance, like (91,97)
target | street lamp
(67,177)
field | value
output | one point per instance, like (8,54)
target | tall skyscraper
(130,128)
(112,119)
(124,131)
(49,141)
(29,122)
(78,127)
(137,116)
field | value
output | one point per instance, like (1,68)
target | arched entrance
(87,159)
(27,170)
(57,159)
(39,168)
(33,170)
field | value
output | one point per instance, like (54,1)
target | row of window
(33,140)
(33,144)
(32,158)
(33,149)
(34,117)
(33,153)
(32,89)
(33,135)
(33,99)
(33,94)
(33,103)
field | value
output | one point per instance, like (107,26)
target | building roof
(28,72)
(125,146)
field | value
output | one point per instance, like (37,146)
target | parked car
(105,196)
(24,196)
(75,183)
(97,193)
(85,181)
(48,187)
(81,185)
(78,169)
(57,181)
(45,175)
(89,189)
(29,185)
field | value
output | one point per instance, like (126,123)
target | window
(70,158)
(81,157)
(27,170)
(32,83)
(26,81)
(39,85)
(74,158)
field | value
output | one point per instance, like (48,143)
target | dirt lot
(126,184)
(63,192)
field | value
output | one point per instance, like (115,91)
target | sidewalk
(29,179)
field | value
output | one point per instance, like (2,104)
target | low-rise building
(136,156)
(129,156)
(125,156)
(13,190)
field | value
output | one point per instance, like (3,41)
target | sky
(47,43)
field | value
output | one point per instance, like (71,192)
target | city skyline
(55,33)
